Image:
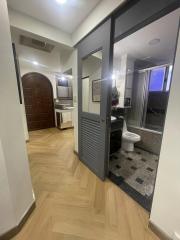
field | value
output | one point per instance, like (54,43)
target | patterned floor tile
(138,169)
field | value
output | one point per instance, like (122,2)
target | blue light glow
(157,79)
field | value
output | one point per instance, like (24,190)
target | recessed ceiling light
(61,1)
(63,78)
(35,63)
(154,41)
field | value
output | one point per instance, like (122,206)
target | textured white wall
(16,194)
(166,203)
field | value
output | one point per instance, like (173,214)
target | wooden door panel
(38,98)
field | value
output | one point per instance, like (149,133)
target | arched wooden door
(38,98)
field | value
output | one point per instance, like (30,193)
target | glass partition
(142,72)
(91,83)
(143,64)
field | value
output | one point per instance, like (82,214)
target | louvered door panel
(91,143)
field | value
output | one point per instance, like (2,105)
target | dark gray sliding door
(141,14)
(94,96)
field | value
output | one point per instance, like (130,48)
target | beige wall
(16,194)
(166,203)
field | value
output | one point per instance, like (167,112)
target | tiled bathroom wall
(150,140)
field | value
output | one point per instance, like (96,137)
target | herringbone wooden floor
(72,203)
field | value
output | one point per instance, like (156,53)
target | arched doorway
(38,98)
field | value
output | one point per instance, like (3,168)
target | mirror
(91,83)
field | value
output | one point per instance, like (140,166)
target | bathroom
(142,71)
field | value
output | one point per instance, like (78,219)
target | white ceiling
(137,44)
(66,17)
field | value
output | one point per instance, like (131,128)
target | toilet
(129,139)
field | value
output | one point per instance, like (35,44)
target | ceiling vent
(37,44)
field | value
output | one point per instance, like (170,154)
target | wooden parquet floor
(72,203)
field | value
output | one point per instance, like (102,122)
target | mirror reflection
(91,83)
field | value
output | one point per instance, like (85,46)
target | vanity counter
(64,117)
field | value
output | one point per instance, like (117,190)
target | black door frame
(139,17)
(136,14)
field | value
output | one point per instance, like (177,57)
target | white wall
(75,97)
(6,207)
(166,203)
(16,194)
(67,59)
(120,69)
(23,115)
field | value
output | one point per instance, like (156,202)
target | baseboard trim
(76,153)
(12,232)
(155,229)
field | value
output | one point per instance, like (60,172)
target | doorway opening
(38,99)
(142,72)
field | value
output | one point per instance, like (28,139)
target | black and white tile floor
(137,170)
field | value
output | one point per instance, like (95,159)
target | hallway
(72,203)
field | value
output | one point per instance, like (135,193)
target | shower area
(146,117)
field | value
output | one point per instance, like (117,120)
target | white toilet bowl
(129,139)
